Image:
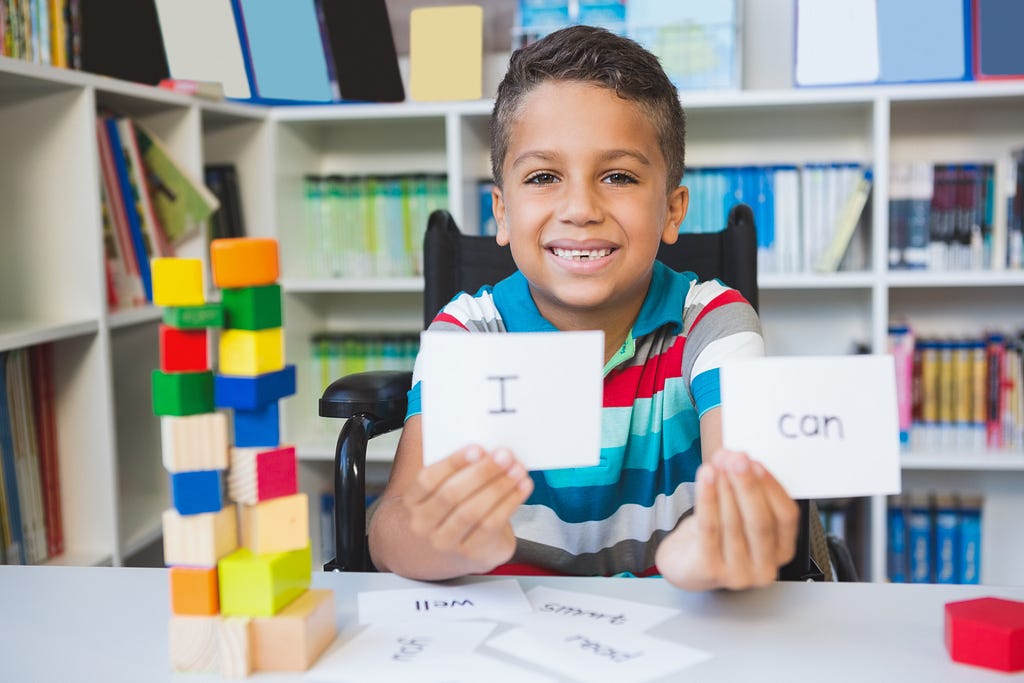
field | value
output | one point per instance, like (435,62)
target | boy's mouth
(580,254)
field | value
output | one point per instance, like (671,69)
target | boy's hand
(462,506)
(744,527)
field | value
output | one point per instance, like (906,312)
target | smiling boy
(587,150)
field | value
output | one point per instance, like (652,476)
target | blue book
(15,550)
(897,541)
(284,50)
(924,40)
(919,537)
(969,550)
(130,208)
(946,540)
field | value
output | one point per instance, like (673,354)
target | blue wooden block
(252,393)
(259,427)
(195,492)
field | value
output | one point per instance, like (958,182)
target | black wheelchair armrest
(372,403)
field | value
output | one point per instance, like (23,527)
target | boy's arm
(744,525)
(449,519)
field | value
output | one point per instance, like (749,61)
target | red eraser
(986,632)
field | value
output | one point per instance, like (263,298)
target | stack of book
(934,538)
(43,31)
(150,203)
(31,522)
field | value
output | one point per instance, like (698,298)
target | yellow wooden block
(276,525)
(177,281)
(195,442)
(251,352)
(295,637)
(199,540)
(193,644)
(260,585)
(244,262)
(446,53)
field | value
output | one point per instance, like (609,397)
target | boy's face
(584,202)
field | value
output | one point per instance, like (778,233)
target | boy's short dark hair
(592,55)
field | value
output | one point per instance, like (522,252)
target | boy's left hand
(743,528)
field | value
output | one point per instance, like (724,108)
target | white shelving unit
(114,487)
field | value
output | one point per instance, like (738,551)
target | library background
(880,144)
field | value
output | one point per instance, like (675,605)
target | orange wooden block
(292,639)
(194,591)
(244,262)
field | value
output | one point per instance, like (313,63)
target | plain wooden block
(260,585)
(197,492)
(244,262)
(275,525)
(183,350)
(177,281)
(258,474)
(195,442)
(199,540)
(193,644)
(260,427)
(446,53)
(234,645)
(986,632)
(251,352)
(250,393)
(252,308)
(295,637)
(195,317)
(194,591)
(182,393)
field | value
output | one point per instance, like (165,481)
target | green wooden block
(261,585)
(194,317)
(252,308)
(182,393)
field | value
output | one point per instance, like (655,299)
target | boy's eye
(541,178)
(620,178)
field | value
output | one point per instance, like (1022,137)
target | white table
(102,624)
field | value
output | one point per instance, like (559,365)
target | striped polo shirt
(609,518)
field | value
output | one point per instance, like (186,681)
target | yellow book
(446,53)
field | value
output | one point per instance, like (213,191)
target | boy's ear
(678,203)
(500,217)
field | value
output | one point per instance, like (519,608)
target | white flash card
(825,426)
(537,394)
(596,653)
(396,652)
(483,600)
(588,608)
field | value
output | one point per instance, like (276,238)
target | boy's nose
(581,205)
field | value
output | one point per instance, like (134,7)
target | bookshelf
(103,360)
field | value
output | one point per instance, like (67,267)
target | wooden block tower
(240,592)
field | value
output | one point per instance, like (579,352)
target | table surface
(104,624)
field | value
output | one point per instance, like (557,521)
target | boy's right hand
(462,506)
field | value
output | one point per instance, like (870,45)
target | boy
(587,147)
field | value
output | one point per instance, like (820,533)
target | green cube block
(194,317)
(182,393)
(252,308)
(260,585)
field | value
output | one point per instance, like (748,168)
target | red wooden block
(258,474)
(183,350)
(986,632)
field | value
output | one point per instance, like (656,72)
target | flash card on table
(537,394)
(487,600)
(826,427)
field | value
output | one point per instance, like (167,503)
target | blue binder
(924,40)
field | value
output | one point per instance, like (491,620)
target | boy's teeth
(580,254)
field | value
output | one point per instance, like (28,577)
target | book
(26,456)
(140,248)
(285,54)
(227,220)
(15,550)
(157,244)
(41,359)
(202,43)
(109,49)
(208,90)
(181,202)
(362,50)
(845,224)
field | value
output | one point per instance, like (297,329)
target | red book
(40,358)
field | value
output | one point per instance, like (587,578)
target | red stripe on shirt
(623,388)
(729,296)
(443,317)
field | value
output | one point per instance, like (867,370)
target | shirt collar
(663,304)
